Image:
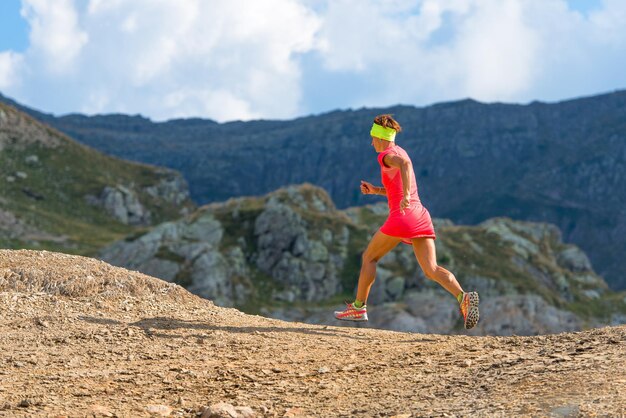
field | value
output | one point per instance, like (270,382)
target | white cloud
(419,52)
(224,59)
(10,66)
(497,51)
(240,59)
(55,34)
(487,50)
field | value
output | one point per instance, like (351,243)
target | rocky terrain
(561,163)
(79,337)
(293,255)
(56,193)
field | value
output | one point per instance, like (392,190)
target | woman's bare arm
(369,188)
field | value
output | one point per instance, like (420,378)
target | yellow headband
(378,131)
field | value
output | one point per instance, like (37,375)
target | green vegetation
(165,253)
(263,287)
(47,189)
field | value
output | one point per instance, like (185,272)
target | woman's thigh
(379,245)
(426,254)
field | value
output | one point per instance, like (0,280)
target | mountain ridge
(563,163)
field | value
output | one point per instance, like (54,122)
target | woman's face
(380,144)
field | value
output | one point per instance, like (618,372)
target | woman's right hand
(367,188)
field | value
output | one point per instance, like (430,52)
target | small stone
(294,413)
(220,410)
(323,370)
(349,367)
(101,410)
(159,410)
(31,159)
(467,363)
(25,403)
(245,412)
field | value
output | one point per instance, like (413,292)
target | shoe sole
(473,314)
(362,319)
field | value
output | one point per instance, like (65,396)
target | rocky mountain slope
(562,163)
(56,193)
(82,338)
(292,255)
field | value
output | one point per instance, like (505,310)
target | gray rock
(226,410)
(317,251)
(502,228)
(277,229)
(31,159)
(206,229)
(172,188)
(489,287)
(395,287)
(220,410)
(287,254)
(378,293)
(525,315)
(163,269)
(210,278)
(574,259)
(591,293)
(122,203)
(587,279)
(327,236)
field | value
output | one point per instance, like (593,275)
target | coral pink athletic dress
(415,222)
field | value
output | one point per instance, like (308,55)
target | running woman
(408,222)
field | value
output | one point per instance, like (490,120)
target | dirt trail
(81,338)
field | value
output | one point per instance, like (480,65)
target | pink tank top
(392,180)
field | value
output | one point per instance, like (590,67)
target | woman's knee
(430,271)
(368,257)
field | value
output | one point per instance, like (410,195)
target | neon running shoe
(469,309)
(352,314)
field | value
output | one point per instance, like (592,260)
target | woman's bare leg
(379,245)
(425,252)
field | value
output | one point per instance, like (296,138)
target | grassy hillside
(48,180)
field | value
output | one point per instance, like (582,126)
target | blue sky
(237,59)
(13,28)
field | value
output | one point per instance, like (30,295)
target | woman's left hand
(405,203)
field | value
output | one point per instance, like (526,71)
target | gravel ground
(79,337)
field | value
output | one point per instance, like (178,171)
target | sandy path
(119,355)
